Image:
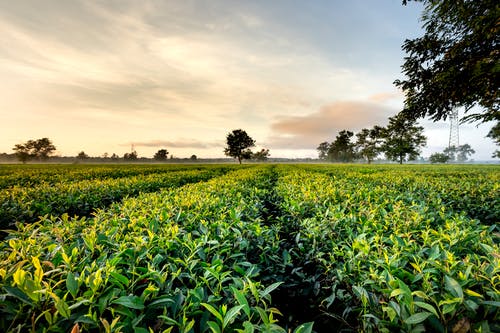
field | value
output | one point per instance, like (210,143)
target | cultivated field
(258,248)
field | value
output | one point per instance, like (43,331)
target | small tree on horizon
(82,156)
(130,156)
(161,155)
(40,149)
(238,144)
(439,158)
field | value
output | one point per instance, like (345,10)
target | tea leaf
(453,287)
(133,302)
(304,328)
(72,284)
(417,318)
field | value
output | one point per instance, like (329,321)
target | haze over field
(99,76)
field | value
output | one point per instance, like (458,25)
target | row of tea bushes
(378,258)
(35,174)
(181,260)
(27,204)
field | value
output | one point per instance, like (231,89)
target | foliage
(261,155)
(161,155)
(39,149)
(439,158)
(342,149)
(266,249)
(27,204)
(459,153)
(238,142)
(82,156)
(369,143)
(494,134)
(323,150)
(455,63)
(132,156)
(403,139)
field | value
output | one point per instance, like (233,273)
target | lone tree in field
(238,144)
(403,139)
(161,155)
(39,149)
(455,63)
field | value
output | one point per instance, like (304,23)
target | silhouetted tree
(161,155)
(369,143)
(342,149)
(82,156)
(40,149)
(193,157)
(238,142)
(323,150)
(114,157)
(403,138)
(130,156)
(22,152)
(261,155)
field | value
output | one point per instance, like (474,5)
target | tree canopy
(456,62)
(39,149)
(403,139)
(161,155)
(261,155)
(342,149)
(238,144)
(369,143)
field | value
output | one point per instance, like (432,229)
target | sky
(101,76)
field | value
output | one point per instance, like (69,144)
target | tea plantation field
(253,248)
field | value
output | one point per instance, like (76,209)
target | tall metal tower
(454,137)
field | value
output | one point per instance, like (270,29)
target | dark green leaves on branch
(455,63)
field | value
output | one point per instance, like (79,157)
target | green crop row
(31,175)
(469,189)
(175,261)
(27,204)
(373,249)
(367,255)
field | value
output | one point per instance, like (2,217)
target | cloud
(385,96)
(180,143)
(302,132)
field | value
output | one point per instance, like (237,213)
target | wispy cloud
(181,143)
(292,132)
